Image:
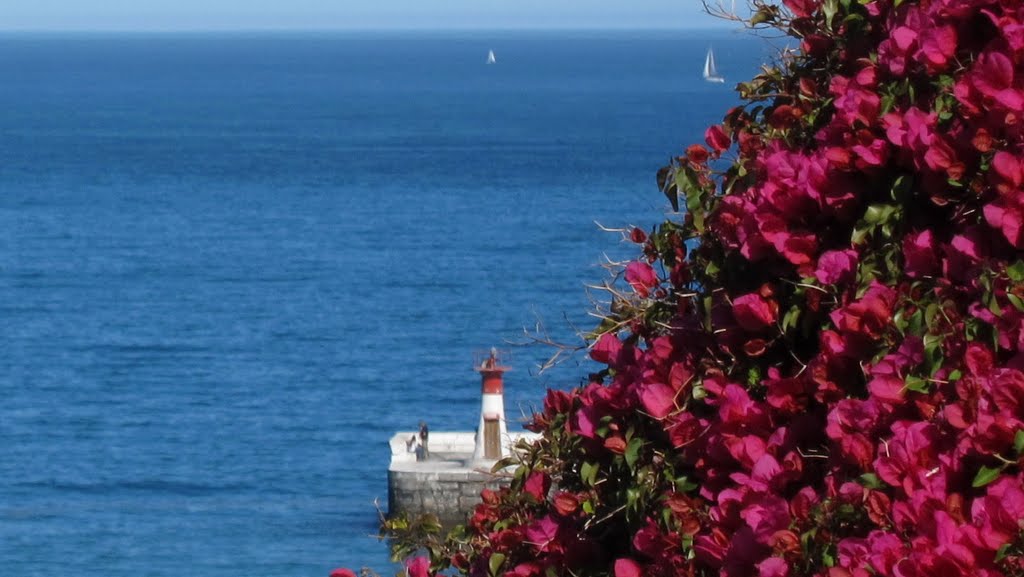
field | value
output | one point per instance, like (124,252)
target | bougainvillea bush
(816,368)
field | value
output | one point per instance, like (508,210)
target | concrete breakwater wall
(448,482)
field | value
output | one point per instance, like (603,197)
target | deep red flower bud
(717,139)
(878,507)
(784,542)
(982,140)
(755,347)
(784,116)
(615,444)
(816,45)
(557,402)
(808,87)
(697,154)
(637,235)
(566,503)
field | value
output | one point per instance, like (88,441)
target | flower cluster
(819,370)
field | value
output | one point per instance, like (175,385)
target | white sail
(490,57)
(710,71)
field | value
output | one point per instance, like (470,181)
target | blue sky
(350,14)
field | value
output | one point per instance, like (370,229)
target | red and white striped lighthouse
(492,429)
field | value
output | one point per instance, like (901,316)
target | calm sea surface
(231,267)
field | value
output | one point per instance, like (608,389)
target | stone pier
(448,483)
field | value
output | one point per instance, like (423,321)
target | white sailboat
(490,57)
(710,72)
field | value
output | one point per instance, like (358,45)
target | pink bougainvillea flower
(768,514)
(658,399)
(773,567)
(870,316)
(938,44)
(342,572)
(997,515)
(1008,219)
(882,428)
(537,485)
(836,266)
(907,458)
(920,254)
(964,253)
(1010,170)
(992,74)
(683,428)
(851,424)
(628,568)
(888,389)
(607,348)
(801,8)
(418,567)
(753,312)
(641,277)
(541,533)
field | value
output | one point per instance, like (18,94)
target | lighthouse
(492,429)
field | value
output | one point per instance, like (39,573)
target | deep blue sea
(231,266)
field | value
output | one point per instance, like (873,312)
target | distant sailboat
(490,57)
(710,72)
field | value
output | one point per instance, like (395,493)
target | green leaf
(870,480)
(588,473)
(916,384)
(830,7)
(1018,442)
(807,537)
(685,485)
(955,376)
(712,269)
(916,323)
(1016,271)
(1015,301)
(930,313)
(709,303)
(859,235)
(632,496)
(495,562)
(902,189)
(633,451)
(993,305)
(827,559)
(791,318)
(686,180)
(933,353)
(699,392)
(1002,552)
(762,16)
(879,213)
(986,475)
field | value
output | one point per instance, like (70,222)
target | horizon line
(368,29)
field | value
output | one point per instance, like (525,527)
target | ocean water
(231,266)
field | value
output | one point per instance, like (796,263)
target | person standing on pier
(424,433)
